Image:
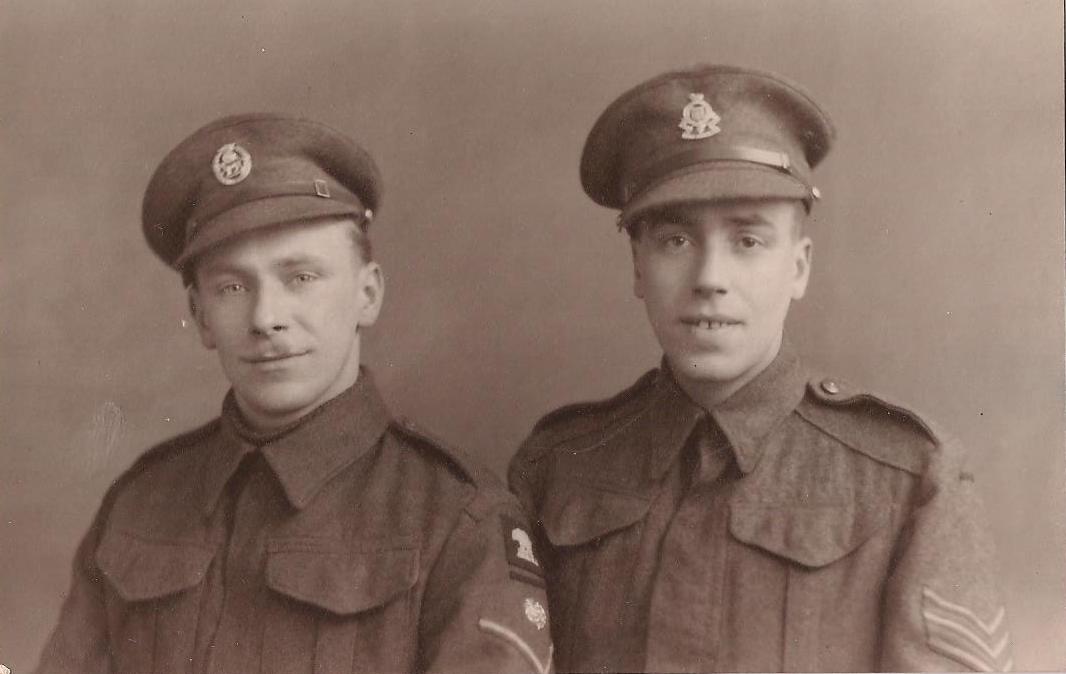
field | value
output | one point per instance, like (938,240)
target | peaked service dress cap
(245,172)
(706,133)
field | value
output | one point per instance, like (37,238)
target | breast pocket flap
(574,514)
(342,578)
(140,568)
(813,536)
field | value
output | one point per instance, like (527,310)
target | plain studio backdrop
(938,259)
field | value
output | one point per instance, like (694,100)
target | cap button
(830,387)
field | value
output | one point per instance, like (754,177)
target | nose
(713,272)
(268,313)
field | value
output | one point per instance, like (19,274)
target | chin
(706,368)
(281,401)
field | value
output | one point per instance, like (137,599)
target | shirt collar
(746,417)
(306,455)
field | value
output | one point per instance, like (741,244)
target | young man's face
(717,279)
(283,308)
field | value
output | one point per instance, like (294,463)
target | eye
(749,242)
(231,288)
(673,241)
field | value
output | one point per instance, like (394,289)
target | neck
(270,425)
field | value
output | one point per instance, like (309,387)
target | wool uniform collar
(306,455)
(746,418)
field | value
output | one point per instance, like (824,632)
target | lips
(273,357)
(710,322)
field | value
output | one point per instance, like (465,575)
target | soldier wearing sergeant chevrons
(732,510)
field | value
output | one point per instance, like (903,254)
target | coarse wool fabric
(803,524)
(350,543)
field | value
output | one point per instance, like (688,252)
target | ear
(196,308)
(638,279)
(802,250)
(371,289)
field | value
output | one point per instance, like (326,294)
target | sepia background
(938,266)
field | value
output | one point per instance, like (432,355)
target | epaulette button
(830,387)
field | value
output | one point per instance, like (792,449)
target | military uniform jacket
(350,544)
(799,526)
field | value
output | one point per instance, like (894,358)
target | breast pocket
(834,559)
(155,586)
(595,536)
(344,606)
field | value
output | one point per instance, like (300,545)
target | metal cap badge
(231,164)
(698,119)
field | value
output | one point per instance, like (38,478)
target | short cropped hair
(361,239)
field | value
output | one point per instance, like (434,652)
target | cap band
(220,202)
(644,176)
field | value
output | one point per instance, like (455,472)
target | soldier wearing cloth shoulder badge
(305,529)
(731,511)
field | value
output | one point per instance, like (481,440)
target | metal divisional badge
(535,613)
(698,119)
(231,164)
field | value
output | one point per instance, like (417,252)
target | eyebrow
(747,220)
(222,267)
(681,218)
(217,268)
(297,261)
(664,218)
